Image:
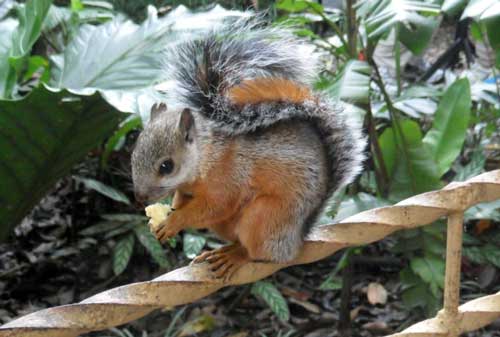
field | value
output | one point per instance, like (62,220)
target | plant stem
(395,121)
(352,28)
(380,169)
(331,24)
(344,325)
(397,57)
(491,51)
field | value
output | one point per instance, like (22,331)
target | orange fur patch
(263,90)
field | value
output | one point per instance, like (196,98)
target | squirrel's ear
(156,110)
(186,125)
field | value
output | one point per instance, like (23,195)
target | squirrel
(246,146)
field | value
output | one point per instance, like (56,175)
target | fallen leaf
(355,312)
(377,326)
(200,324)
(240,334)
(306,305)
(300,295)
(376,293)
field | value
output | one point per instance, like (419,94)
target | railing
(123,304)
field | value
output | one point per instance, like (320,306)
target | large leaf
(446,137)
(481,9)
(486,12)
(453,7)
(41,138)
(473,168)
(31,18)
(120,55)
(17,38)
(7,73)
(416,101)
(431,270)
(408,162)
(415,29)
(115,55)
(352,83)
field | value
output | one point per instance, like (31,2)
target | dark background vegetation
(77,80)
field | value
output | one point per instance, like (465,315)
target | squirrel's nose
(140,197)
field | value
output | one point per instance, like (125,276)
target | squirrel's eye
(166,167)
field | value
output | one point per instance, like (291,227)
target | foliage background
(77,80)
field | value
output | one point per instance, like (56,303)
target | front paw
(164,232)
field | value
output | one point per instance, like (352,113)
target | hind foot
(225,261)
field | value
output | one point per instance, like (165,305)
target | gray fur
(320,141)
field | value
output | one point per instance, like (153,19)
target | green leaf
(416,37)
(76,5)
(491,24)
(358,203)
(122,253)
(31,17)
(416,101)
(331,283)
(473,168)
(431,270)
(477,8)
(446,137)
(352,84)
(383,15)
(192,244)
(292,5)
(36,63)
(474,254)
(272,296)
(134,54)
(197,326)
(453,7)
(492,254)
(100,227)
(103,189)
(41,138)
(489,210)
(123,228)
(411,170)
(131,123)
(125,217)
(416,293)
(7,73)
(152,245)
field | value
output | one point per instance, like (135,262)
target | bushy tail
(243,77)
(203,69)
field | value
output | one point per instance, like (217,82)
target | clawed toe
(225,261)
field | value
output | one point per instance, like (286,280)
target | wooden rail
(188,284)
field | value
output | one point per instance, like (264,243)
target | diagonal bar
(123,304)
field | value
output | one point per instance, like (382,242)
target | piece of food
(158,213)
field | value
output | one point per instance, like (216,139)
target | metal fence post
(452,276)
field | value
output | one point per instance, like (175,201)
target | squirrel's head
(165,155)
